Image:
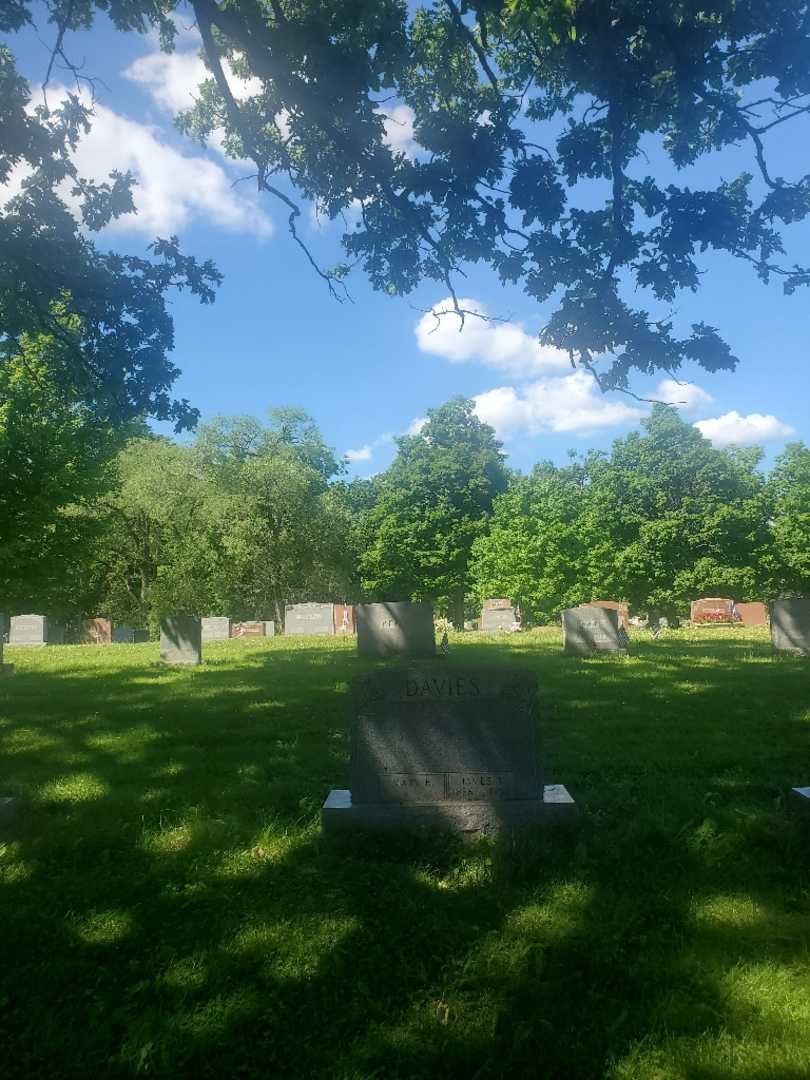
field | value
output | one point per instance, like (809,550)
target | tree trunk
(456,608)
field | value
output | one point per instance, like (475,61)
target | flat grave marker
(445,747)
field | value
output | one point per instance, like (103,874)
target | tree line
(249,516)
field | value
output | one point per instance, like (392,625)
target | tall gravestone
(593,629)
(309,619)
(28,630)
(215,628)
(790,625)
(395,628)
(181,639)
(449,748)
(497,615)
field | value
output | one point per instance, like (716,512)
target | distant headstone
(181,639)
(216,628)
(249,628)
(790,625)
(399,627)
(618,606)
(712,609)
(593,629)
(308,619)
(96,632)
(800,796)
(28,630)
(344,619)
(269,629)
(125,635)
(497,615)
(753,614)
(449,748)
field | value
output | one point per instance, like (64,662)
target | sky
(367,370)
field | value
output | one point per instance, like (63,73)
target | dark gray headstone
(28,630)
(790,625)
(395,628)
(216,628)
(495,619)
(800,797)
(593,629)
(445,747)
(181,639)
(302,619)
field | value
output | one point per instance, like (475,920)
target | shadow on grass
(182,916)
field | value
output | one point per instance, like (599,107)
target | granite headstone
(497,615)
(181,639)
(248,628)
(96,632)
(215,628)
(712,609)
(344,619)
(309,619)
(790,625)
(593,629)
(28,630)
(398,627)
(446,747)
(269,628)
(613,605)
(126,635)
(753,614)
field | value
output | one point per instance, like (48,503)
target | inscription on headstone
(216,628)
(497,615)
(395,628)
(446,747)
(28,630)
(181,639)
(300,619)
(593,629)
(251,628)
(613,605)
(790,625)
(712,609)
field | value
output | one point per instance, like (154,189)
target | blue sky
(368,370)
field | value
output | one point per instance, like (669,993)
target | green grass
(172,910)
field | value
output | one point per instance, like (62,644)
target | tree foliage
(546,133)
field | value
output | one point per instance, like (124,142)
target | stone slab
(496,619)
(249,628)
(96,632)
(181,639)
(790,625)
(613,605)
(28,630)
(269,628)
(216,628)
(499,603)
(753,614)
(344,619)
(309,619)
(395,628)
(556,807)
(712,609)
(126,635)
(593,629)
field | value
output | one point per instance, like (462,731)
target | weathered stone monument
(125,635)
(181,639)
(31,630)
(618,606)
(249,628)
(449,748)
(96,632)
(308,619)
(593,629)
(712,609)
(497,615)
(215,628)
(790,625)
(395,628)
(753,614)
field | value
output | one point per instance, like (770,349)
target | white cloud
(505,346)
(750,430)
(415,426)
(686,396)
(399,134)
(363,454)
(172,79)
(572,403)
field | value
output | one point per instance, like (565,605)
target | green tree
(432,503)
(515,103)
(789,491)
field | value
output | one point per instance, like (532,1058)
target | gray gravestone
(28,630)
(181,639)
(309,619)
(125,635)
(269,629)
(593,629)
(800,796)
(495,619)
(446,747)
(216,628)
(395,628)
(790,625)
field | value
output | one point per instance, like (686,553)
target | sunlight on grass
(80,787)
(104,927)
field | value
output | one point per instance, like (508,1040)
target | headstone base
(555,808)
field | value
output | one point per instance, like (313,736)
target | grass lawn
(172,910)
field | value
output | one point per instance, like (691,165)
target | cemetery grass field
(169,907)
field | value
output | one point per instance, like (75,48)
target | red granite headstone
(499,604)
(753,614)
(253,628)
(344,619)
(712,609)
(96,632)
